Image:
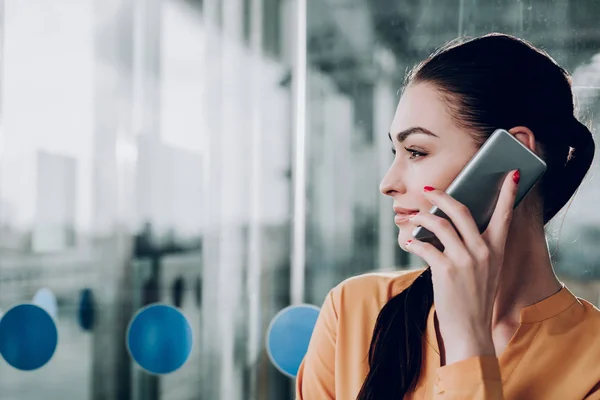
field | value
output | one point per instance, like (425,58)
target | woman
(503,326)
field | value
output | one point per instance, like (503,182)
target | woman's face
(430,151)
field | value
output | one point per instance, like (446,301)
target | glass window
(149,154)
(46,182)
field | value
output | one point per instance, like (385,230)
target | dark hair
(493,81)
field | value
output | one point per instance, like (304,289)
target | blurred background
(224,156)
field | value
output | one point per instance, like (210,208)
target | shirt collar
(540,311)
(548,307)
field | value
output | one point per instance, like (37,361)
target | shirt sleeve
(316,375)
(476,378)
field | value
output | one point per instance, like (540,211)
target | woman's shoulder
(395,280)
(373,288)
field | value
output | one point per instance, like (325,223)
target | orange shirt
(555,353)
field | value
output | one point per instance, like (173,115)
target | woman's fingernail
(412,215)
(408,242)
(516,177)
(428,188)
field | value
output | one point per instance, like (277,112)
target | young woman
(488,318)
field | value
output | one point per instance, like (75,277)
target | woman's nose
(391,183)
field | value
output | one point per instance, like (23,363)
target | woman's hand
(465,276)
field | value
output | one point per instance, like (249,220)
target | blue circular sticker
(28,337)
(86,311)
(159,338)
(288,337)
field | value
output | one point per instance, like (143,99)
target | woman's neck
(527,276)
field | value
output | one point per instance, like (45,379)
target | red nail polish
(428,188)
(516,177)
(408,241)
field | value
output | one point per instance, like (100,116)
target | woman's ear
(525,136)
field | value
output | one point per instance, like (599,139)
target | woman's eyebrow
(401,136)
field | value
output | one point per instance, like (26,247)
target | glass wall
(223,157)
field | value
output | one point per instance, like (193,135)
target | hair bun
(579,160)
(580,137)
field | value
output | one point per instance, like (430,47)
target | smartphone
(478,185)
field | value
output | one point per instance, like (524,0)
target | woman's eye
(414,154)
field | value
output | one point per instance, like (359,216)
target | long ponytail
(396,349)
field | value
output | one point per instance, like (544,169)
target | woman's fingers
(459,214)
(432,256)
(497,229)
(443,230)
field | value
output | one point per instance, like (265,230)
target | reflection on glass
(147,155)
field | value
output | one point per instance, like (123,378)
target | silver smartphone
(478,185)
